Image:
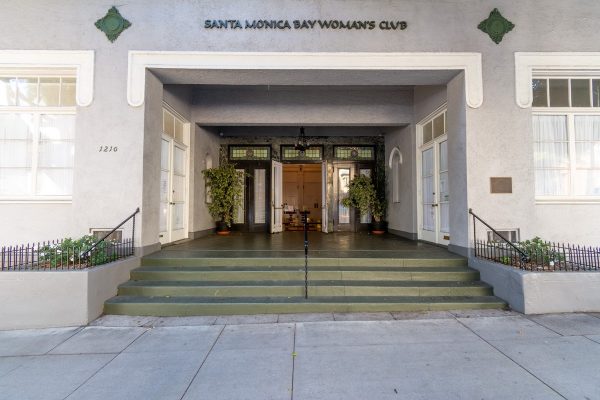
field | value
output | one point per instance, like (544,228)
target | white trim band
(527,63)
(82,61)
(139,61)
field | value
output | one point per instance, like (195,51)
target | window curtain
(551,155)
(587,150)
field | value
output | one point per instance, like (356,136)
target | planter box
(541,292)
(49,299)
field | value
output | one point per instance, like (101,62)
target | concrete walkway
(440,355)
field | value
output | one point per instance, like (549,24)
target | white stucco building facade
(444,109)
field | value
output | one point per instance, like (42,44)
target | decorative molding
(395,151)
(527,63)
(112,24)
(80,61)
(496,26)
(139,61)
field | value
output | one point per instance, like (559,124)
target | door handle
(171,203)
(434,205)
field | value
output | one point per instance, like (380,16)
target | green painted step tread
(374,283)
(166,268)
(302,300)
(297,261)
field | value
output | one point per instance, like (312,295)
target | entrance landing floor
(291,245)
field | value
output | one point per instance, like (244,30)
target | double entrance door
(434,197)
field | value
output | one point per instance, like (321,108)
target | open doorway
(302,192)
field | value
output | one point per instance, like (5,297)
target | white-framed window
(566,138)
(37,133)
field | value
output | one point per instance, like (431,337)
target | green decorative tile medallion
(112,24)
(496,26)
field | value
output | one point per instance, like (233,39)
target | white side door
(324,197)
(276,197)
(173,194)
(435,199)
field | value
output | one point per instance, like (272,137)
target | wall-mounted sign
(305,24)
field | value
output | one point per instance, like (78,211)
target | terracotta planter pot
(378,227)
(222,229)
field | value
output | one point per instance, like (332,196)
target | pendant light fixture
(302,144)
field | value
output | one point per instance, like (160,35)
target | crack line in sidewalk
(511,359)
(105,364)
(293,363)
(202,364)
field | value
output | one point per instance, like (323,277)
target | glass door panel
(164,190)
(277,197)
(343,188)
(434,191)
(173,191)
(443,190)
(365,218)
(428,188)
(260,216)
(239,216)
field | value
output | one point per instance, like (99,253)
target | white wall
(205,143)
(48,299)
(402,216)
(541,292)
(303,105)
(108,186)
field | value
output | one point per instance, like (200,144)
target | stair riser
(299,275)
(299,262)
(298,291)
(186,309)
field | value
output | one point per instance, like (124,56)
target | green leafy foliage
(363,196)
(70,252)
(540,250)
(226,186)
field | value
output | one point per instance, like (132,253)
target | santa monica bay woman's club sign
(305,24)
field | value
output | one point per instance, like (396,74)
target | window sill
(572,201)
(40,200)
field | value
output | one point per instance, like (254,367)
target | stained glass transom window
(289,153)
(249,152)
(354,152)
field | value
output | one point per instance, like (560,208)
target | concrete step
(173,273)
(298,261)
(182,306)
(296,288)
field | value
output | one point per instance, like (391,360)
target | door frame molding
(187,136)
(419,163)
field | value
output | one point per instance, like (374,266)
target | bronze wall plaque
(501,185)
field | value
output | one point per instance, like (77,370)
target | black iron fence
(535,254)
(68,254)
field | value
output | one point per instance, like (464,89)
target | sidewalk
(438,355)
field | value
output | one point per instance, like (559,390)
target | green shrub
(70,252)
(540,251)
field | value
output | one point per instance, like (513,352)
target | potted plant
(226,185)
(378,208)
(363,196)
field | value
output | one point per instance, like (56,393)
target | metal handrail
(524,256)
(93,246)
(305,220)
